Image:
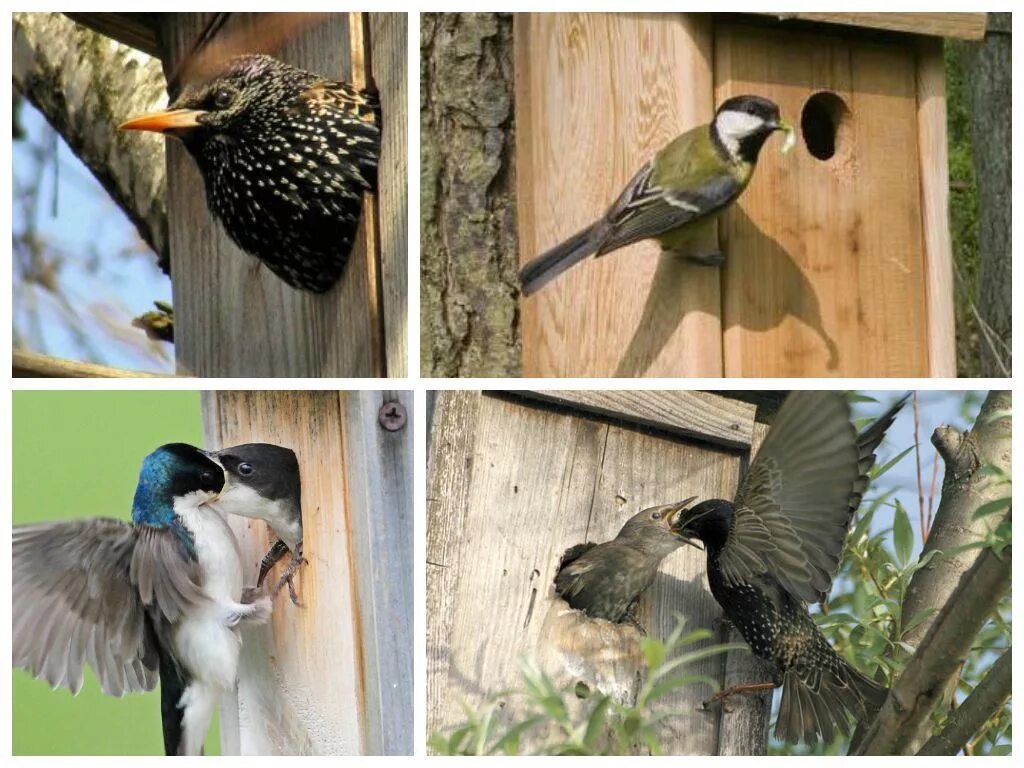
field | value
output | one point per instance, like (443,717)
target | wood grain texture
(308,681)
(938,243)
(389,45)
(583,128)
(970,26)
(234,317)
(699,415)
(510,487)
(826,272)
(33,365)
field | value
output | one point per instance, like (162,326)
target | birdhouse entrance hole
(823,124)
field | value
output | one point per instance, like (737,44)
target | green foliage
(963,205)
(602,725)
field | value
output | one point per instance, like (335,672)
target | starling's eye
(245,469)
(222,99)
(655,515)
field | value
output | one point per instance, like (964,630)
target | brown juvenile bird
(285,155)
(777,547)
(605,581)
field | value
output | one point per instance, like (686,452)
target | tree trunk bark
(990,83)
(469,249)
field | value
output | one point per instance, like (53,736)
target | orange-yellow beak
(168,121)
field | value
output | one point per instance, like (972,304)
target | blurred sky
(102,282)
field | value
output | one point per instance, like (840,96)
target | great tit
(676,195)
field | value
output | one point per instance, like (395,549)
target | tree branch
(905,714)
(986,699)
(85,85)
(964,489)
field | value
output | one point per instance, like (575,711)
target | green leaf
(666,687)
(596,721)
(993,507)
(509,743)
(902,534)
(654,652)
(879,471)
(857,397)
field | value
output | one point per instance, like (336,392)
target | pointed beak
(169,121)
(678,509)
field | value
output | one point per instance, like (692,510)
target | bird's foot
(288,577)
(712,259)
(746,689)
(255,608)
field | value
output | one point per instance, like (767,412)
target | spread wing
(793,509)
(649,207)
(82,590)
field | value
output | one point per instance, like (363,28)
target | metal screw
(392,416)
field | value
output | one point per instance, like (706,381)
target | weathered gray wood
(233,317)
(389,44)
(305,679)
(690,414)
(379,477)
(510,487)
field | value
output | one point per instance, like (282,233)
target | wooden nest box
(838,255)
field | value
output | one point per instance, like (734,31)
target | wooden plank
(235,318)
(969,26)
(389,43)
(303,679)
(138,30)
(826,274)
(934,158)
(581,134)
(379,480)
(529,483)
(26,364)
(701,415)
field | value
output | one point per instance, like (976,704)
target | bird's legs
(289,572)
(745,689)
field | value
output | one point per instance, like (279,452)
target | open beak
(790,141)
(169,121)
(673,517)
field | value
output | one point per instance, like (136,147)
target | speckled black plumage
(777,547)
(286,156)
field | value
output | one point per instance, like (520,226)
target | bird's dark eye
(245,468)
(206,477)
(222,98)
(655,515)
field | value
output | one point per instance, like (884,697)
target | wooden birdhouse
(838,255)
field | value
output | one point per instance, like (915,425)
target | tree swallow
(160,596)
(263,483)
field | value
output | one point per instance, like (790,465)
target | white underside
(207,640)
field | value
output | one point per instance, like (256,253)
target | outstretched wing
(793,509)
(81,593)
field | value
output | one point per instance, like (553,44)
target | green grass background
(77,454)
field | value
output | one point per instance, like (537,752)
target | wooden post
(333,676)
(512,483)
(235,318)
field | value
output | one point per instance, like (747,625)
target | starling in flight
(605,581)
(777,547)
(286,156)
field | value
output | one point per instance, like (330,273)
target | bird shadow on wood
(787,293)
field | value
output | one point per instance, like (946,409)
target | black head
(174,471)
(270,470)
(708,522)
(743,123)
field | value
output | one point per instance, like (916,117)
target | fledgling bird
(677,195)
(158,597)
(263,482)
(605,581)
(777,546)
(285,156)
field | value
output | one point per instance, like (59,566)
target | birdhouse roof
(969,26)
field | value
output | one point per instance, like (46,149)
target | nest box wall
(513,482)
(838,254)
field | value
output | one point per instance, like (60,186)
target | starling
(286,156)
(777,547)
(605,581)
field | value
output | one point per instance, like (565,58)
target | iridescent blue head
(171,472)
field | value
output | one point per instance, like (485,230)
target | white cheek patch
(733,126)
(237,499)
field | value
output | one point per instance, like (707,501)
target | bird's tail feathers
(550,264)
(820,705)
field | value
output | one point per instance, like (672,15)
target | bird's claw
(288,578)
